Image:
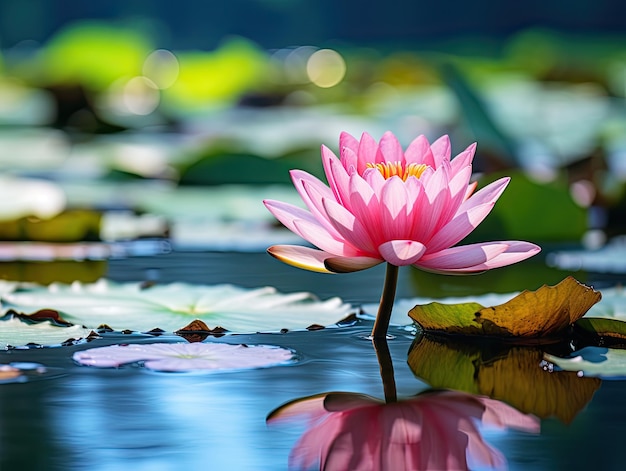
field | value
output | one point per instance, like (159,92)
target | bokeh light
(326,68)
(162,68)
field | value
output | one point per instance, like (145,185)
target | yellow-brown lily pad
(502,371)
(546,312)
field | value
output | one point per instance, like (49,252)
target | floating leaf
(48,271)
(185,356)
(612,306)
(401,308)
(602,329)
(68,226)
(594,361)
(546,312)
(509,373)
(133,306)
(17,333)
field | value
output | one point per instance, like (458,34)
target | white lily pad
(24,197)
(612,305)
(608,259)
(601,362)
(185,356)
(172,306)
(16,333)
(221,217)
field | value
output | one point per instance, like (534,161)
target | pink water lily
(386,204)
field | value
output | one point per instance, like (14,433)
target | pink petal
(338,177)
(419,152)
(287,213)
(459,182)
(301,257)
(313,193)
(469,215)
(463,256)
(432,207)
(516,251)
(488,194)
(347,141)
(457,188)
(349,160)
(374,179)
(394,219)
(441,150)
(348,226)
(390,148)
(317,235)
(464,158)
(350,264)
(367,152)
(458,228)
(348,151)
(364,204)
(402,252)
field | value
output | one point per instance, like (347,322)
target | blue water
(83,418)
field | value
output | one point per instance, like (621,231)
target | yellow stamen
(390,169)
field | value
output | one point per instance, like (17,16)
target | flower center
(390,169)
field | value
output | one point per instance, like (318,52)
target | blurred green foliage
(93,54)
(531,210)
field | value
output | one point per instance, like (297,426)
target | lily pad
(133,306)
(16,332)
(509,373)
(185,356)
(546,312)
(607,363)
(602,330)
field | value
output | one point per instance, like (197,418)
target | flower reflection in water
(437,429)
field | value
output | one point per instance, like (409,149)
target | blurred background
(166,124)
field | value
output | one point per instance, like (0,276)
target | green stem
(386,368)
(381,324)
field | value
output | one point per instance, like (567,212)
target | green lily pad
(509,373)
(544,313)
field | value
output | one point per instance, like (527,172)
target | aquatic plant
(402,207)
(185,356)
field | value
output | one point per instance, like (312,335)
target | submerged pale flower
(386,204)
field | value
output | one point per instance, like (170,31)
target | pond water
(74,417)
